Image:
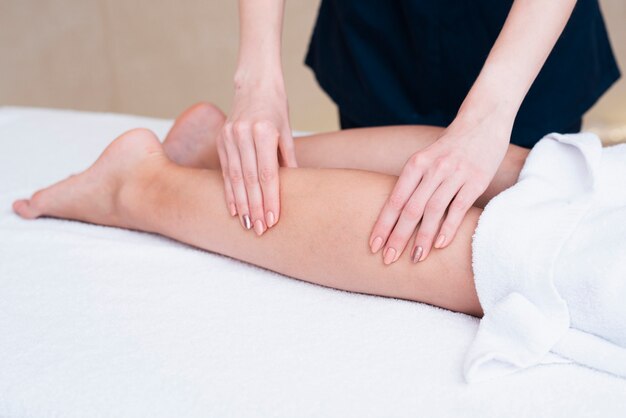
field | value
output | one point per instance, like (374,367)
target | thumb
(288,149)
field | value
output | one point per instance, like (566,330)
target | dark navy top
(388,62)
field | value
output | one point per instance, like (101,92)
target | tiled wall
(156,57)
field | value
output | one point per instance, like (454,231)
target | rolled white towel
(549,260)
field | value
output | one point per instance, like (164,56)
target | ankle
(134,195)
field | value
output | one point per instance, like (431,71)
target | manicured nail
(417,254)
(376,244)
(259,228)
(389,256)
(233,209)
(246,222)
(270,219)
(440,241)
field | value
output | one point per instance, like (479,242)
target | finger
(287,149)
(228,190)
(390,212)
(247,152)
(409,218)
(235,176)
(266,143)
(463,201)
(433,215)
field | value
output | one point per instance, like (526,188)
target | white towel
(549,259)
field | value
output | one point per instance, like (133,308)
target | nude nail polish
(246,222)
(417,254)
(270,219)
(440,241)
(233,209)
(376,244)
(259,228)
(389,256)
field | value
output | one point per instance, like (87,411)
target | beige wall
(155,57)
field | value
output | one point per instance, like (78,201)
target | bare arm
(527,38)
(258,124)
(260,28)
(456,169)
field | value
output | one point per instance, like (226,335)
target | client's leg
(191,142)
(322,236)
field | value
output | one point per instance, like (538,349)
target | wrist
(475,112)
(260,77)
(490,99)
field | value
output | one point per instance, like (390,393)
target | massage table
(104,322)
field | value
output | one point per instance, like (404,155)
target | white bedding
(101,322)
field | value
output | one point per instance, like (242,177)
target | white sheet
(98,322)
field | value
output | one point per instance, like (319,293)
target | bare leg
(191,142)
(322,237)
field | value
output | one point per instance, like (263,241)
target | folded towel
(549,259)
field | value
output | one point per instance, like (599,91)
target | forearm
(259,60)
(528,36)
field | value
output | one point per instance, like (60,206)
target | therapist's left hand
(450,174)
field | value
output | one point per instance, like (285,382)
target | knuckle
(235,176)
(477,189)
(384,227)
(412,210)
(416,162)
(227,128)
(464,167)
(397,239)
(267,174)
(423,236)
(264,128)
(251,177)
(461,203)
(436,205)
(256,208)
(396,202)
(444,164)
(240,128)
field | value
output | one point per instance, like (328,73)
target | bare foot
(93,195)
(191,141)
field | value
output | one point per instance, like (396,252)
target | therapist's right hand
(255,135)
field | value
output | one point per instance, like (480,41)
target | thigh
(386,150)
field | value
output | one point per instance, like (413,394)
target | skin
(138,183)
(438,183)
(455,170)
(258,123)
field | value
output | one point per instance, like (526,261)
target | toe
(25,209)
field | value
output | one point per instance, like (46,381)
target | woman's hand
(449,174)
(455,170)
(258,125)
(248,145)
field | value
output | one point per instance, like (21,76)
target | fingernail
(417,254)
(440,241)
(246,222)
(270,219)
(389,256)
(233,209)
(376,244)
(259,228)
